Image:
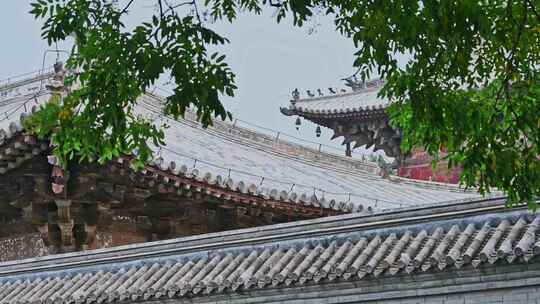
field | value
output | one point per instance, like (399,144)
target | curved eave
(288,112)
(358,103)
(170,178)
(325,119)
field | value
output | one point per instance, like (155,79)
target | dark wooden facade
(88,206)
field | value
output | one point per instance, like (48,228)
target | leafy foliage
(116,66)
(471,85)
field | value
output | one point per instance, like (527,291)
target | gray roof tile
(250,157)
(361,100)
(350,257)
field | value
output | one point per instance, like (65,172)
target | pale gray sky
(269,59)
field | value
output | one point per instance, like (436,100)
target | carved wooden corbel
(65,223)
(64,210)
(66,234)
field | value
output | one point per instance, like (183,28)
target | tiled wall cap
(252,189)
(284,196)
(229,183)
(183,170)
(274,194)
(194,173)
(241,187)
(219,180)
(14,127)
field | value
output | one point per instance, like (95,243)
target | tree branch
(279,4)
(160,9)
(171,7)
(197,12)
(126,7)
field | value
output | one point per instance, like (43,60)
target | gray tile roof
(216,150)
(365,99)
(361,254)
(245,162)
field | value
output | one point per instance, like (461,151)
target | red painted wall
(418,166)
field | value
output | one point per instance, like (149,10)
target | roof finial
(320,92)
(58,66)
(57,82)
(353,83)
(310,94)
(295,94)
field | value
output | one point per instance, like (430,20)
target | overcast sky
(269,59)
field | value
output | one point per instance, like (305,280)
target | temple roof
(441,239)
(216,150)
(363,99)
(244,161)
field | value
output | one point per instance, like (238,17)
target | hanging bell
(298,123)
(318,131)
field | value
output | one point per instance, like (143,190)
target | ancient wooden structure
(86,206)
(360,118)
(230,215)
(357,116)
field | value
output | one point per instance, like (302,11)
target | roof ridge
(365,87)
(19,83)
(319,98)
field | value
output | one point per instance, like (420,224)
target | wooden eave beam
(243,198)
